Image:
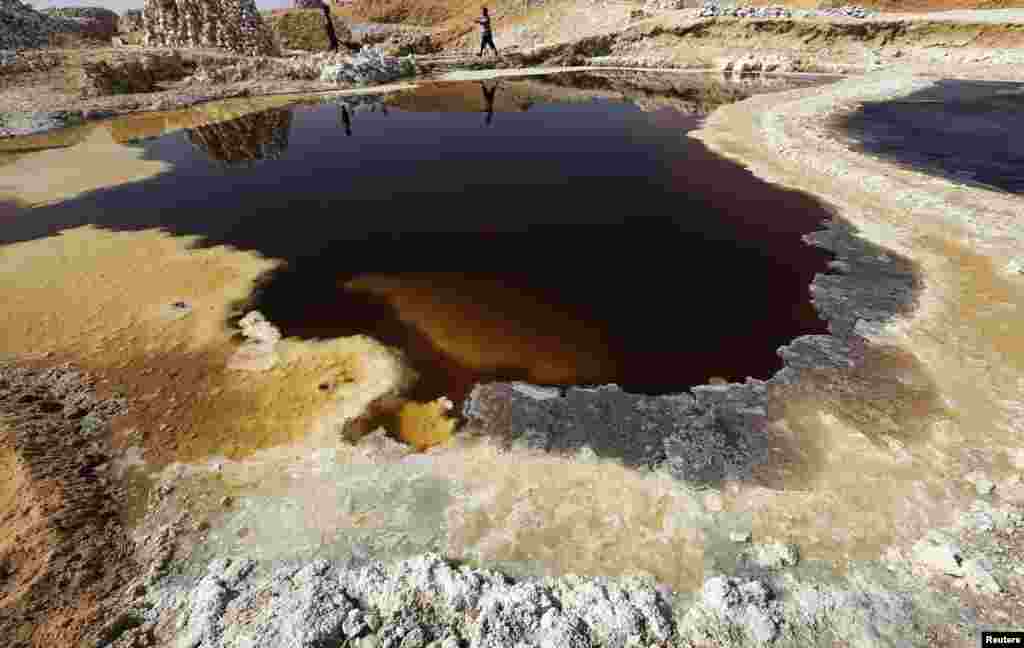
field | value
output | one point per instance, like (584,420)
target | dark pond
(571,234)
(968,131)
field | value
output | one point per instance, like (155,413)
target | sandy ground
(966,243)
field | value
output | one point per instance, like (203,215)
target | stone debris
(233,25)
(750,63)
(745,604)
(257,352)
(427,602)
(668,5)
(22,27)
(715,10)
(846,11)
(369,66)
(422,601)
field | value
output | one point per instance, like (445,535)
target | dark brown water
(968,131)
(559,238)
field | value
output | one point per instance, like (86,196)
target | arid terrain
(173,476)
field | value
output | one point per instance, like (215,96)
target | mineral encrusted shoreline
(716,432)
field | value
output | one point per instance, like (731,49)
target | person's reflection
(346,120)
(489,101)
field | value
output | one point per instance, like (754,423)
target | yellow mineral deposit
(118,316)
(423,425)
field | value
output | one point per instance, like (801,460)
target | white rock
(255,327)
(937,554)
(775,555)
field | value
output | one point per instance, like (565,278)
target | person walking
(332,36)
(487,38)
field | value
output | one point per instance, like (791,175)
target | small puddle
(966,131)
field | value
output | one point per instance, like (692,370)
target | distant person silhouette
(332,36)
(489,101)
(487,38)
(346,121)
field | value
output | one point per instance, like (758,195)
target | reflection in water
(684,93)
(346,120)
(489,100)
(524,333)
(258,136)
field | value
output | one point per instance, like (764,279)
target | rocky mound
(429,602)
(22,27)
(130,21)
(369,66)
(714,10)
(305,29)
(233,25)
(95,22)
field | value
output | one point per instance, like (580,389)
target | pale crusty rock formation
(130,21)
(233,25)
(257,353)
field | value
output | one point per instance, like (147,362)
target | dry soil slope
(453,19)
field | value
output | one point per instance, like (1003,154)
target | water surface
(557,229)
